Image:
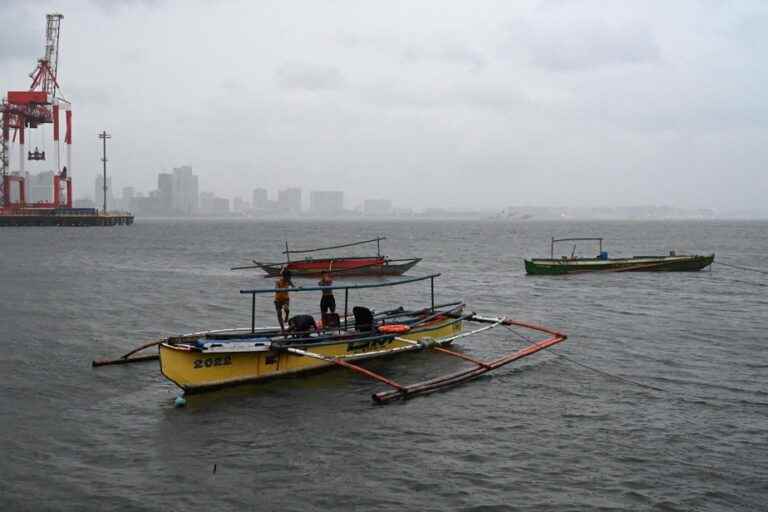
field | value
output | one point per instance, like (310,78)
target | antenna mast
(104,136)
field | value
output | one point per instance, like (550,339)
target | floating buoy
(180,401)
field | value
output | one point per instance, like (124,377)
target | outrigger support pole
(127,357)
(346,364)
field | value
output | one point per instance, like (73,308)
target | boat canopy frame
(577,239)
(378,240)
(296,289)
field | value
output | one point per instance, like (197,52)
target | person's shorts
(328,303)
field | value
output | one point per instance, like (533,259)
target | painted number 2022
(212,361)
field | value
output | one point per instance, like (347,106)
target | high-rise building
(377,207)
(289,200)
(165,191)
(185,191)
(260,199)
(326,202)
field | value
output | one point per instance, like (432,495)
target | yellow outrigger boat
(213,359)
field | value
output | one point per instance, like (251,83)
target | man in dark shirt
(328,301)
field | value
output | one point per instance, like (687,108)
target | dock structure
(73,217)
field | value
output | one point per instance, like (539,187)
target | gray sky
(431,103)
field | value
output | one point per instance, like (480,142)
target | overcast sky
(432,103)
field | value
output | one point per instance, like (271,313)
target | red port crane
(25,110)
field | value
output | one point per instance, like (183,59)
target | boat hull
(345,267)
(195,371)
(636,264)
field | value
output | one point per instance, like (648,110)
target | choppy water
(540,435)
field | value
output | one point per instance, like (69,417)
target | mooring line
(749,269)
(596,370)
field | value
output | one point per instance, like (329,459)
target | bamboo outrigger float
(209,360)
(602,263)
(377,265)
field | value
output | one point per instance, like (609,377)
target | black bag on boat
(301,324)
(363,318)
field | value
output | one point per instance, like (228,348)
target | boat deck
(677,263)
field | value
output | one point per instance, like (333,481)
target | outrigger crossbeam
(401,391)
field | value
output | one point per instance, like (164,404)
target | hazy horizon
(435,104)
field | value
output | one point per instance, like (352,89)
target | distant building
(185,191)
(289,200)
(220,206)
(377,207)
(260,199)
(326,202)
(39,187)
(129,193)
(127,197)
(212,205)
(124,201)
(239,206)
(177,193)
(403,212)
(165,191)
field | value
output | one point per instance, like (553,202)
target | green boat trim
(672,263)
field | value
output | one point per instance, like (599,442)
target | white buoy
(180,401)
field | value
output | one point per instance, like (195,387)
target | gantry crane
(23,110)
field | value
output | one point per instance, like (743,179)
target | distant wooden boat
(377,265)
(602,263)
(351,266)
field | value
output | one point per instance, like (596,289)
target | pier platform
(64,217)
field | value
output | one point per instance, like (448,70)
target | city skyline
(177,194)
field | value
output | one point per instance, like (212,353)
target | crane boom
(50,62)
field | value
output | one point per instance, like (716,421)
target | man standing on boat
(328,301)
(282,300)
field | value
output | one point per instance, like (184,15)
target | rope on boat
(596,370)
(749,269)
